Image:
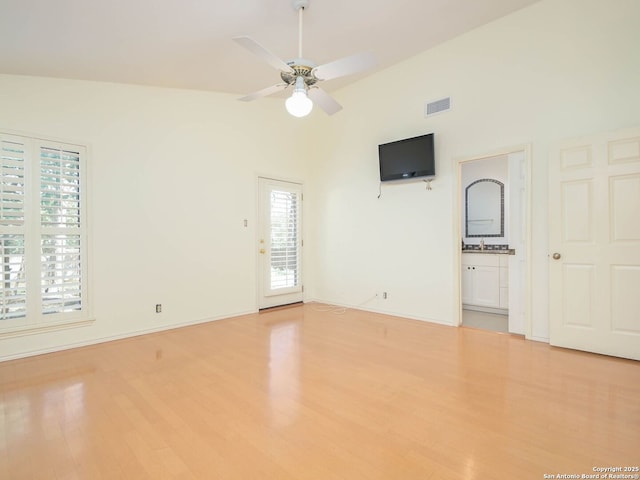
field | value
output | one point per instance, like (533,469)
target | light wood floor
(301,393)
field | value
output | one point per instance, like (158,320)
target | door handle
(556,256)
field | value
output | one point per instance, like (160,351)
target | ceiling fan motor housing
(301,68)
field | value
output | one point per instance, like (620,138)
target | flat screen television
(408,158)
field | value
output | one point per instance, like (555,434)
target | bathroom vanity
(485,281)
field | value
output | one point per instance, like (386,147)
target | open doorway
(493,242)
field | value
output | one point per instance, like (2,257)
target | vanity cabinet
(485,281)
(504,281)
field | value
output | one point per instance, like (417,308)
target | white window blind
(13,303)
(284,239)
(42,232)
(60,213)
(13,291)
(12,183)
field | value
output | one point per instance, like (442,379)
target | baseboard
(366,308)
(496,311)
(538,339)
(122,336)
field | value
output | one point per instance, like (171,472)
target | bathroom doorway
(493,199)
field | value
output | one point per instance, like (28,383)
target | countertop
(511,251)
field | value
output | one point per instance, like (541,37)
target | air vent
(437,106)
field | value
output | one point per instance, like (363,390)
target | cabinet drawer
(481,259)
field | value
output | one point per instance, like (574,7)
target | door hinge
(302,288)
(302,243)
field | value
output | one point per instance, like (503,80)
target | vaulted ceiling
(187,43)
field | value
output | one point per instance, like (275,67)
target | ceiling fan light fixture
(299,104)
(303,74)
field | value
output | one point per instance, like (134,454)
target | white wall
(173,178)
(558,69)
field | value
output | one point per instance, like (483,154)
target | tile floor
(485,321)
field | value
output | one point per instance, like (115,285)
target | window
(284,239)
(42,233)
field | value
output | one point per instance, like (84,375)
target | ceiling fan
(303,74)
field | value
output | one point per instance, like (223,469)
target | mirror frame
(466,212)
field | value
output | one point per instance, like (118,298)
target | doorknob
(556,256)
(262,250)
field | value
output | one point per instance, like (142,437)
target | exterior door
(279,243)
(594,239)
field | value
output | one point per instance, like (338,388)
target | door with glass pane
(279,243)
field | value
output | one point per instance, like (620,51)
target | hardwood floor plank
(304,393)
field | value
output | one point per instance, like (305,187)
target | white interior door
(594,239)
(279,243)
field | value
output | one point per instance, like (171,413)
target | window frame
(35,321)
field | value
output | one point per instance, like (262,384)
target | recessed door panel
(578,285)
(578,157)
(624,151)
(625,299)
(625,208)
(577,211)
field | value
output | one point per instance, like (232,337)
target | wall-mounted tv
(408,158)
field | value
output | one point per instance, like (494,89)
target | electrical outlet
(158,308)
(384,295)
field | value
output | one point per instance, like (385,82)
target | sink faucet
(482,244)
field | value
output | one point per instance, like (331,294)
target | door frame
(458,234)
(258,232)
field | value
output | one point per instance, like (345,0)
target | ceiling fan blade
(325,101)
(264,92)
(345,66)
(257,49)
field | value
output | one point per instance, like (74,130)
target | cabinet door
(467,285)
(486,286)
(504,287)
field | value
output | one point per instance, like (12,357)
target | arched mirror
(484,208)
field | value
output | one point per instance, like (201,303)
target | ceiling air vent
(437,106)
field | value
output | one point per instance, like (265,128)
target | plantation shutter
(62,231)
(13,289)
(285,235)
